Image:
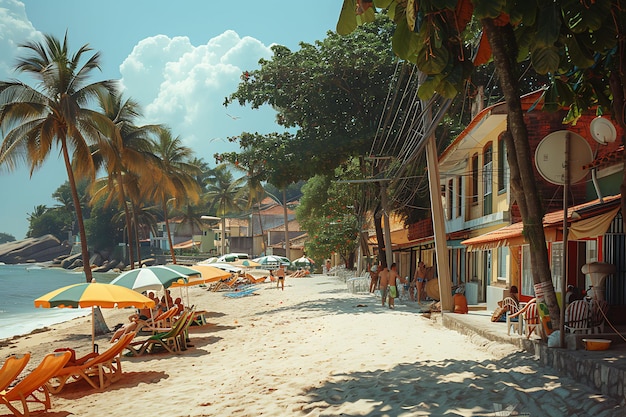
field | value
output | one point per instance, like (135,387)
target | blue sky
(178,59)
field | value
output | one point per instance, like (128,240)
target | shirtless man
(391,282)
(280,274)
(383,277)
(420,280)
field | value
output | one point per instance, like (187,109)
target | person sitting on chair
(460,302)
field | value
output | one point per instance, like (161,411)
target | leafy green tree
(57,112)
(331,211)
(6,237)
(99,227)
(51,222)
(325,213)
(332,93)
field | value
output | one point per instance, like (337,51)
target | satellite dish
(550,157)
(602,130)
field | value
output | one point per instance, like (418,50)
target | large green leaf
(347,18)
(564,91)
(548,25)
(578,54)
(488,8)
(524,12)
(404,42)
(428,88)
(446,89)
(383,4)
(545,59)
(434,62)
(585,16)
(525,37)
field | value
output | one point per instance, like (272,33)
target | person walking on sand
(374,277)
(383,277)
(391,284)
(420,280)
(280,274)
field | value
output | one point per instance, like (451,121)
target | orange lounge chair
(256,280)
(11,368)
(32,389)
(106,366)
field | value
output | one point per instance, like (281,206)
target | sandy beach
(312,350)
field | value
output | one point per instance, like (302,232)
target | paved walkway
(599,372)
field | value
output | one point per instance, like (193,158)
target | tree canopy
(329,97)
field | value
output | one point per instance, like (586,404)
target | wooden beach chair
(32,389)
(168,340)
(99,371)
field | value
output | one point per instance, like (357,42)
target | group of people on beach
(386,279)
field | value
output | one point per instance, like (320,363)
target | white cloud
(184,86)
(15,28)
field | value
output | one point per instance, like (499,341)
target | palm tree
(124,156)
(173,177)
(225,194)
(55,113)
(38,211)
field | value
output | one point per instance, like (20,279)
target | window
(503,166)
(450,198)
(503,254)
(444,201)
(487,179)
(527,274)
(556,264)
(475,178)
(459,196)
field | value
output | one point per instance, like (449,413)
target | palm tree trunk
(264,243)
(169,235)
(79,212)
(127,219)
(286,219)
(504,47)
(223,240)
(136,230)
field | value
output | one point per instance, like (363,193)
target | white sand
(307,351)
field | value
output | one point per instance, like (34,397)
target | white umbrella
(272,261)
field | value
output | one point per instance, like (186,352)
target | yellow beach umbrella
(208,274)
(93,295)
(204,274)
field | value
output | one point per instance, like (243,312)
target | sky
(179,60)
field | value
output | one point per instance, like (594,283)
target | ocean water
(21,284)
